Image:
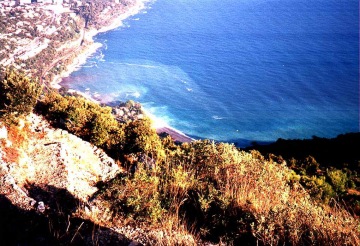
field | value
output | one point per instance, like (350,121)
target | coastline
(176,135)
(75,64)
(162,127)
(84,52)
(90,47)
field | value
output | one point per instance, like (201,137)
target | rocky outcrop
(53,157)
(128,111)
(50,182)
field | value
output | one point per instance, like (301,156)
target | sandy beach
(162,127)
(175,134)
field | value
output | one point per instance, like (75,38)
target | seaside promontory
(76,172)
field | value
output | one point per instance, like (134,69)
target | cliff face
(35,154)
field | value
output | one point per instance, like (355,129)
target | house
(23,2)
(8,3)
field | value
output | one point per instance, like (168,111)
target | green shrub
(318,188)
(338,179)
(84,118)
(142,138)
(18,95)
(226,195)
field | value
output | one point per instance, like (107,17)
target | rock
(32,203)
(41,207)
(9,179)
(3,132)
(8,143)
(134,243)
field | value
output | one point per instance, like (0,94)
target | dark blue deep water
(235,70)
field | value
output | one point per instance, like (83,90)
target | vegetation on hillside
(96,124)
(18,95)
(222,194)
(327,168)
(200,191)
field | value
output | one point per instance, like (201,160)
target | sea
(239,71)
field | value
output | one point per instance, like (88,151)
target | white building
(7,3)
(22,2)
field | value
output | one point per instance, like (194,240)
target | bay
(236,71)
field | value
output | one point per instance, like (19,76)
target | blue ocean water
(235,70)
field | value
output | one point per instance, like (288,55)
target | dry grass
(226,195)
(283,212)
(17,136)
(204,191)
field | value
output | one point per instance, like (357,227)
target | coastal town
(42,38)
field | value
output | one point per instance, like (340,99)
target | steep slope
(50,157)
(204,193)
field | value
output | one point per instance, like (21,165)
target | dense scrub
(81,117)
(18,95)
(210,191)
(96,124)
(222,194)
(337,152)
(328,168)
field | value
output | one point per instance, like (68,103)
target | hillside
(41,164)
(74,172)
(328,168)
(337,152)
(47,40)
(57,188)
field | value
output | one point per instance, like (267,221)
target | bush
(142,138)
(96,124)
(227,195)
(84,118)
(18,95)
(338,179)
(318,188)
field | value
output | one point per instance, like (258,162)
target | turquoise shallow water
(235,70)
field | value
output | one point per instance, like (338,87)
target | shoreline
(91,47)
(75,64)
(176,135)
(162,127)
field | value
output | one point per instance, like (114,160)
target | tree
(141,137)
(18,95)
(84,118)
